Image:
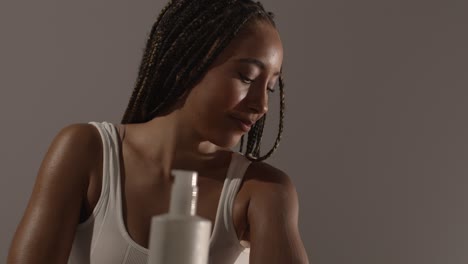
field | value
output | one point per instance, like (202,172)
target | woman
(204,81)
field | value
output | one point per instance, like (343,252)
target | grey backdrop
(376,131)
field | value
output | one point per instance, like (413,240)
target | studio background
(375,133)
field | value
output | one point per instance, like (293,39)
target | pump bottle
(180,236)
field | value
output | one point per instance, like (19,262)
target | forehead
(259,40)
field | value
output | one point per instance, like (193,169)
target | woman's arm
(273,219)
(46,231)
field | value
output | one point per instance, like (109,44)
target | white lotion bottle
(180,236)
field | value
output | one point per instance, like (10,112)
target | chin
(228,140)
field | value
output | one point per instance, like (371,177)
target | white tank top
(103,238)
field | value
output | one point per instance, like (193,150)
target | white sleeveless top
(103,238)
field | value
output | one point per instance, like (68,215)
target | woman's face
(236,86)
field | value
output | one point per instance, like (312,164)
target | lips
(243,124)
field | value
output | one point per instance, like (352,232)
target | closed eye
(245,79)
(249,81)
(272,89)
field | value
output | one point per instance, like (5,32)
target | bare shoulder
(262,177)
(46,230)
(79,134)
(272,215)
(80,142)
(271,193)
(72,155)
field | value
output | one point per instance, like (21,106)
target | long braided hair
(183,42)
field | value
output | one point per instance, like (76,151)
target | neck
(170,142)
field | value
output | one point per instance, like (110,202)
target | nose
(258,100)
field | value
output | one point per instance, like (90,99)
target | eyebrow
(256,62)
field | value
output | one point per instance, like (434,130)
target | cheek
(222,96)
(208,107)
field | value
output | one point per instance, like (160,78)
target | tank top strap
(235,174)
(111,159)
(225,246)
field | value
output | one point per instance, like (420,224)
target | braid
(256,150)
(184,41)
(253,135)
(241,143)
(187,67)
(255,156)
(147,62)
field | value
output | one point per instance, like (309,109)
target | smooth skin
(196,134)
